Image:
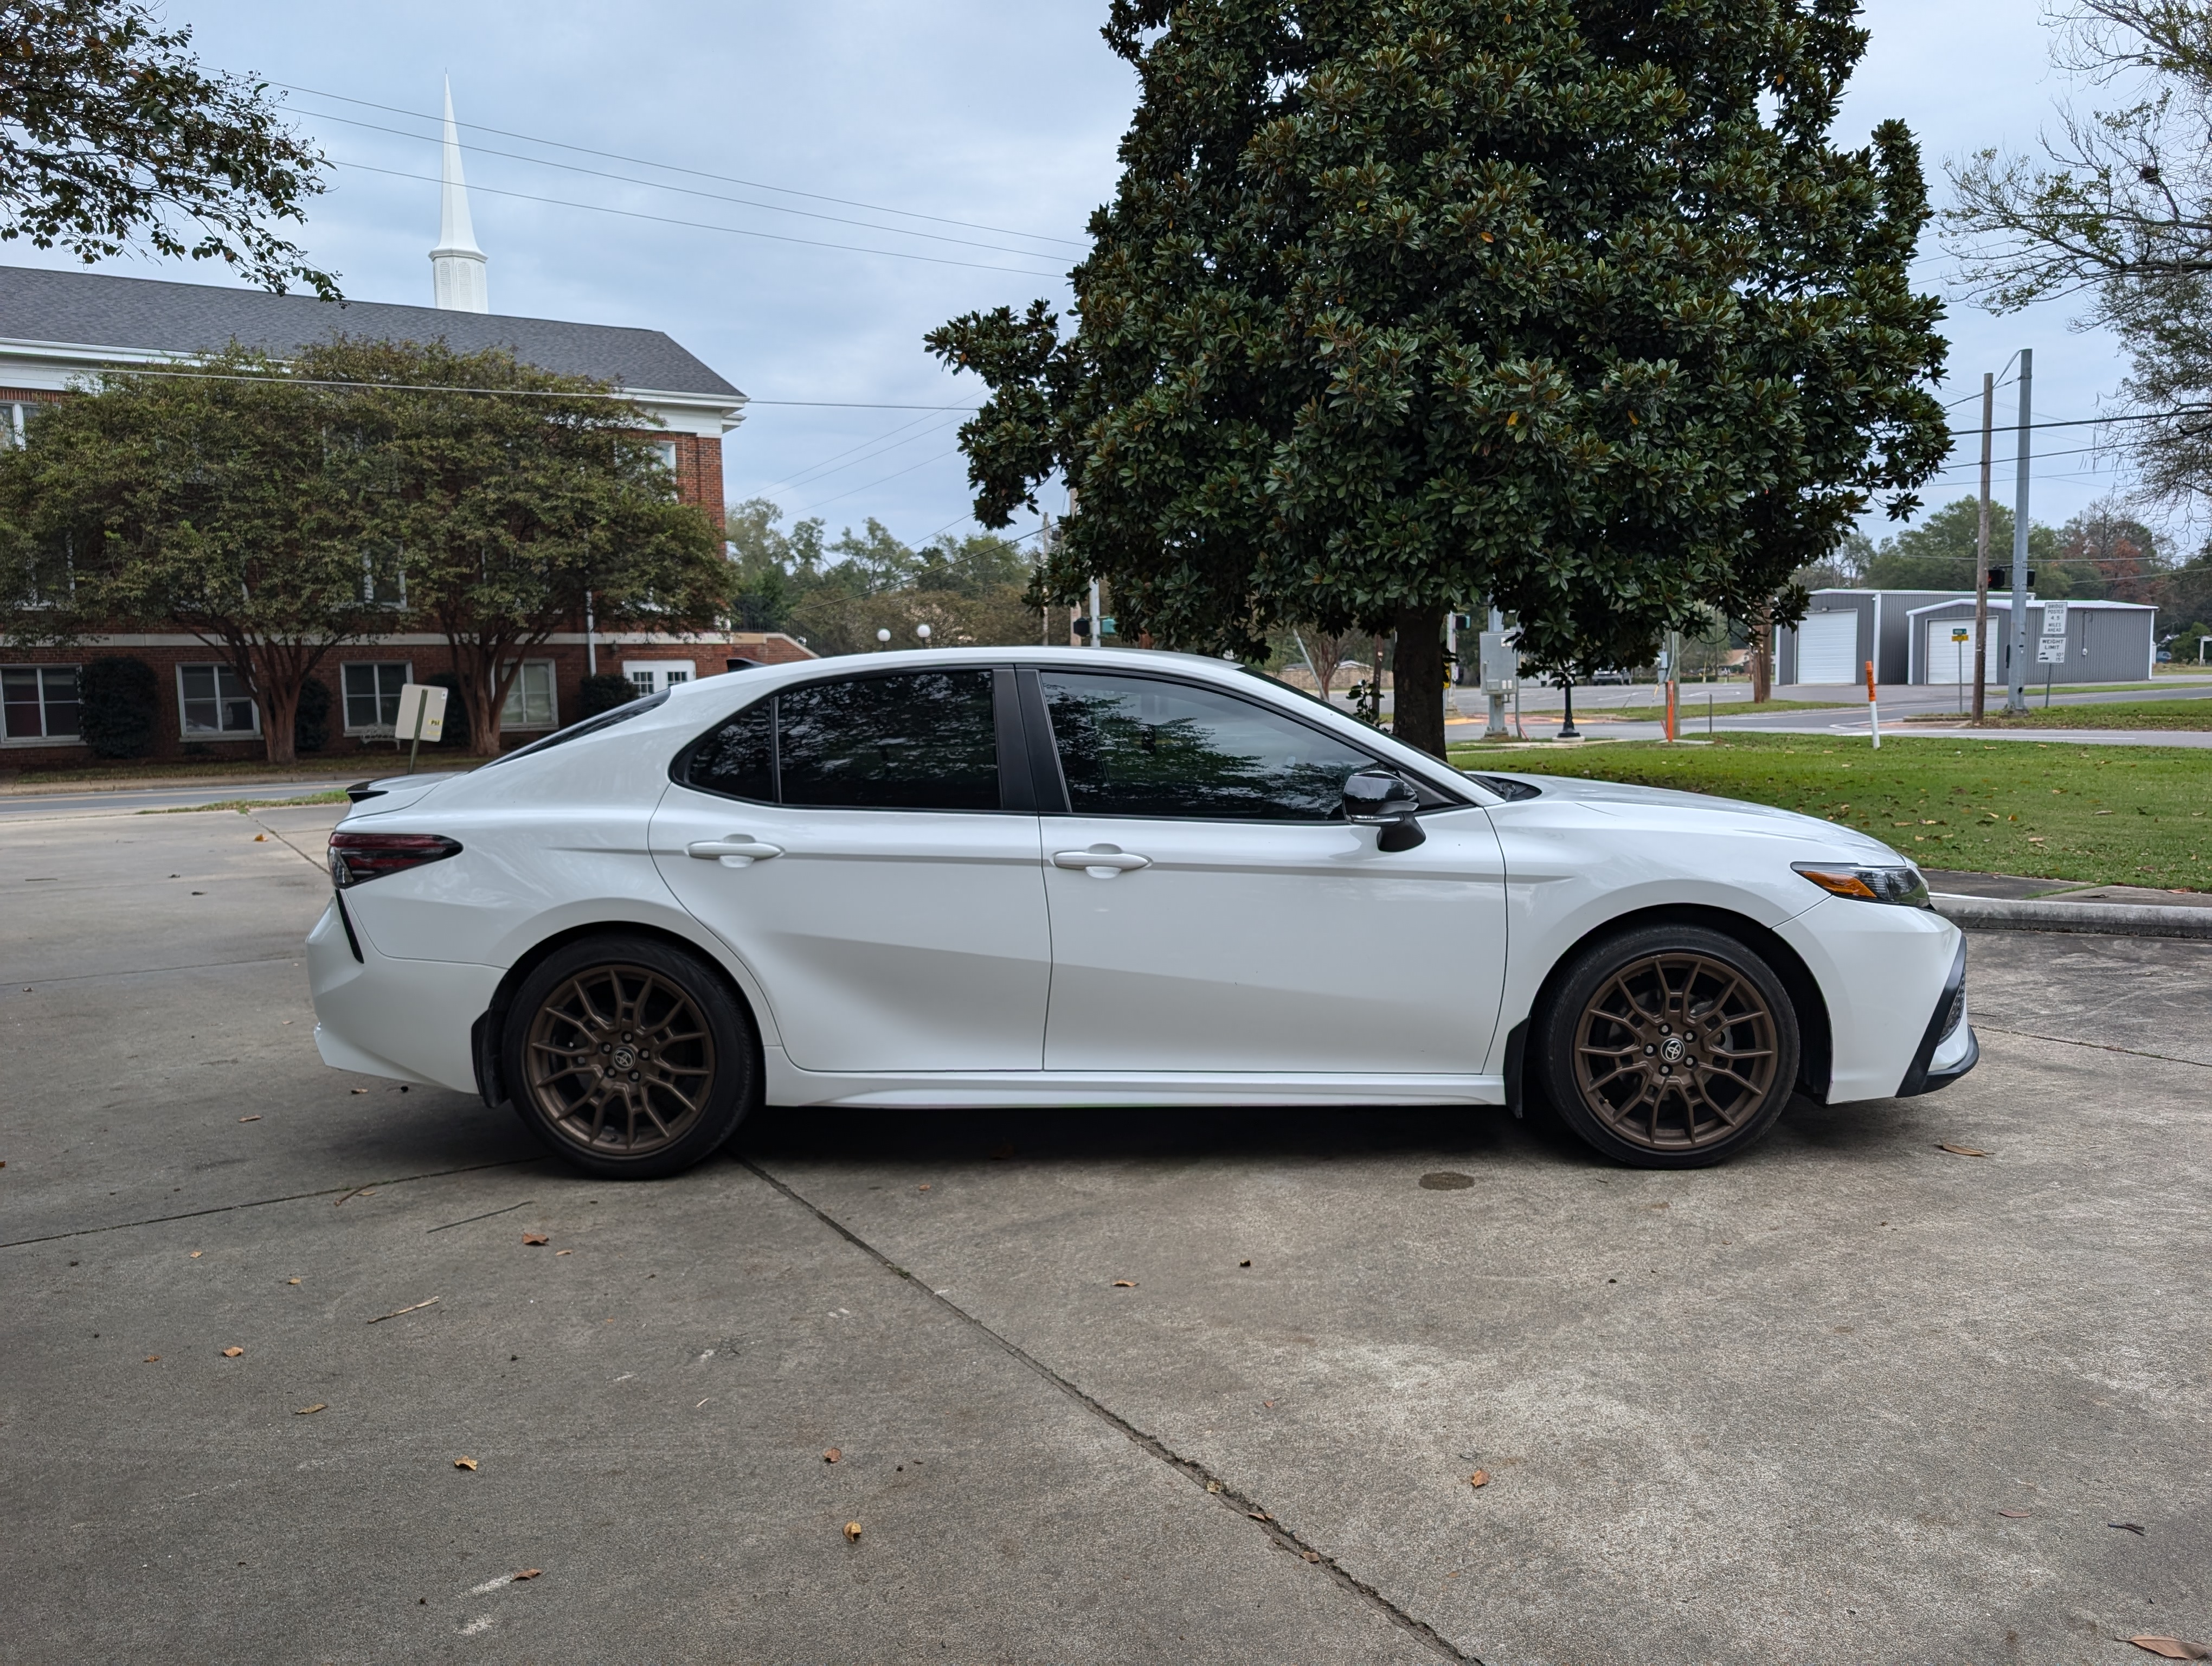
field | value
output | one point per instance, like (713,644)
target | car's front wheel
(1668,1046)
(629,1057)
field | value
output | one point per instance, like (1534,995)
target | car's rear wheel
(629,1057)
(1668,1046)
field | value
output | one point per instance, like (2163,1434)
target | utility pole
(1981,553)
(2015,684)
(1493,678)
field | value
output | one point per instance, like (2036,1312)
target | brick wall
(343,752)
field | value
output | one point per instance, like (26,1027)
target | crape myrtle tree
(508,499)
(224,502)
(113,137)
(1570,306)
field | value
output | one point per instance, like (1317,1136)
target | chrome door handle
(744,851)
(1103,862)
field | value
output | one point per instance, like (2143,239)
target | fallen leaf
(309,1411)
(1479,1478)
(291,1281)
(528,1573)
(196,1254)
(852,1531)
(153,1358)
(832,1456)
(2171,1648)
(233,1354)
(1961,1151)
(254,1118)
(1310,1555)
(464,1463)
(1243,1264)
(923,1186)
(1125,1284)
(260,838)
(357,1090)
(2128,1526)
(564,1252)
(2015,1515)
(396,1311)
(1213,1486)
(1260,1516)
(535,1237)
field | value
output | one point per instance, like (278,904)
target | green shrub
(603,693)
(119,703)
(310,723)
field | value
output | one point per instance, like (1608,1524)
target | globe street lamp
(923,631)
(882,638)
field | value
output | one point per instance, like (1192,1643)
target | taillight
(356,858)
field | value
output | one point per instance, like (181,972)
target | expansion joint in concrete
(1191,1470)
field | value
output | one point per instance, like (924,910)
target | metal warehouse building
(1907,635)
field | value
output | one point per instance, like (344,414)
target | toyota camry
(1091,878)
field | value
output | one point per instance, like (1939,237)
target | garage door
(1945,660)
(1828,648)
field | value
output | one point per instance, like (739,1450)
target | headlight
(1902,885)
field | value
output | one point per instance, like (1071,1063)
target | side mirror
(1377,798)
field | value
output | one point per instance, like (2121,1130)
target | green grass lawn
(242,806)
(2120,714)
(366,761)
(1693,706)
(2116,815)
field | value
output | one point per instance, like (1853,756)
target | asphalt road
(1851,1399)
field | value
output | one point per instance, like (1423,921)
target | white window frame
(668,454)
(187,731)
(372,731)
(46,737)
(552,720)
(652,676)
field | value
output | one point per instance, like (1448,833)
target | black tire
(629,1058)
(1666,1047)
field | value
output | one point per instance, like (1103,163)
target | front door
(846,839)
(1211,911)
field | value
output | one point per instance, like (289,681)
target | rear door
(855,841)
(1211,911)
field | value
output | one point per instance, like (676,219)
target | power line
(701,225)
(671,167)
(711,196)
(882,446)
(872,484)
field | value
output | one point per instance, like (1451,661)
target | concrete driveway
(1852,1399)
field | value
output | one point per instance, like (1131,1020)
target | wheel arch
(1815,1048)
(487,1037)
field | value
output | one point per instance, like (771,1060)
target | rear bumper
(405,1019)
(1948,1048)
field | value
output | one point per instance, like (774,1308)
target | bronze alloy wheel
(1675,1052)
(619,1059)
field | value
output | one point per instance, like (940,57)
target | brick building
(59,327)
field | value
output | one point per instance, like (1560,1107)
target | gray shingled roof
(93,309)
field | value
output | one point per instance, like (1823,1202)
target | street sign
(2051,650)
(422,712)
(2054,620)
(1959,633)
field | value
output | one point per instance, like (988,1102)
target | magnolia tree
(1573,306)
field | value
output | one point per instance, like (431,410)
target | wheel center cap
(625,1060)
(1672,1050)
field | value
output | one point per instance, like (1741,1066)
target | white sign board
(422,712)
(2051,650)
(1500,663)
(2054,619)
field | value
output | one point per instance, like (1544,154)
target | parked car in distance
(1080,879)
(1611,674)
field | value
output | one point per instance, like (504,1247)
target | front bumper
(1948,1048)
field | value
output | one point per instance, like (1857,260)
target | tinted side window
(738,759)
(1133,746)
(925,740)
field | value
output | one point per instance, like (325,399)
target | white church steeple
(457,264)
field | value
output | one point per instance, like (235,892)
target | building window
(372,695)
(41,702)
(651,676)
(213,701)
(667,451)
(383,582)
(530,702)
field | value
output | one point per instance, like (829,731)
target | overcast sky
(1001,114)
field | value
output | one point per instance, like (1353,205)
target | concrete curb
(2108,919)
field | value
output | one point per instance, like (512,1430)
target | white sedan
(1091,878)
